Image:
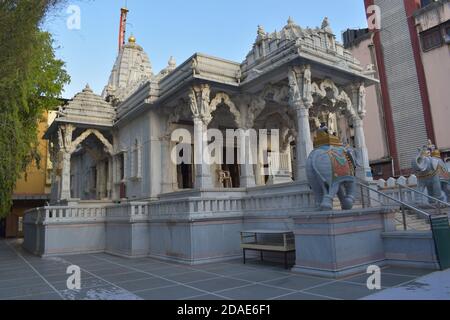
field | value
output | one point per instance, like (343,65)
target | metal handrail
(424,194)
(396,200)
(400,202)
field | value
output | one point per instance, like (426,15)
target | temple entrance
(185,173)
(231,172)
(185,176)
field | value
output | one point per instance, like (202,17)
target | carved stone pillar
(65,133)
(199,102)
(363,172)
(168,167)
(251,107)
(300,98)
(110,183)
(247,178)
(203,178)
(359,105)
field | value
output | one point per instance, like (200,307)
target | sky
(180,28)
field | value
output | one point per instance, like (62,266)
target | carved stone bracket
(199,103)
(300,86)
(65,133)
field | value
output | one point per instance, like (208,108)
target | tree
(31,80)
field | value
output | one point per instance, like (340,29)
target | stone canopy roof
(132,84)
(87,108)
(320,40)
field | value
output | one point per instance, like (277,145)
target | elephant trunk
(420,163)
(355,157)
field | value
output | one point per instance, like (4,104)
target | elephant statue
(330,170)
(432,173)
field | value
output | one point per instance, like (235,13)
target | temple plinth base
(337,244)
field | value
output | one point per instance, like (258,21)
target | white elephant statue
(331,171)
(432,173)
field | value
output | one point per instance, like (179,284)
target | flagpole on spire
(123,26)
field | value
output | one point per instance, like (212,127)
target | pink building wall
(436,63)
(373,123)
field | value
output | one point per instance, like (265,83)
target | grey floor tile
(41,297)
(54,272)
(211,266)
(192,276)
(407,271)
(297,282)
(147,284)
(98,266)
(23,282)
(206,297)
(99,293)
(261,275)
(231,270)
(85,284)
(17,274)
(275,265)
(63,277)
(169,293)
(19,267)
(6,293)
(301,296)
(117,278)
(11,264)
(254,292)
(167,271)
(341,290)
(92,263)
(387,280)
(111,271)
(219,284)
(149,266)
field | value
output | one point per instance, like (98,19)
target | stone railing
(130,212)
(392,187)
(195,208)
(393,183)
(65,214)
(133,211)
(279,202)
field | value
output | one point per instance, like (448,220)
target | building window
(431,39)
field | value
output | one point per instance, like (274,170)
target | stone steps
(413,221)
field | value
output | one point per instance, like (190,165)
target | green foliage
(31,80)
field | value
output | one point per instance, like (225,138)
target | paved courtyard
(26,277)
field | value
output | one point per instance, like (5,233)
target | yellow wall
(36,181)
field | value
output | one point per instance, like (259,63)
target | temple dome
(87,108)
(131,69)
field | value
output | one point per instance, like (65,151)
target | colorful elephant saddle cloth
(340,164)
(443,172)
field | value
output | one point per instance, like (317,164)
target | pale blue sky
(223,28)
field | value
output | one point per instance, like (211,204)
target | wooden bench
(268,241)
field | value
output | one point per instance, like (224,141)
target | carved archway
(223,98)
(329,95)
(86,135)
